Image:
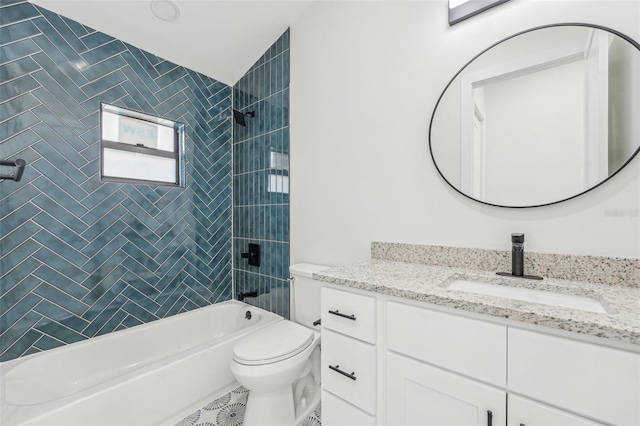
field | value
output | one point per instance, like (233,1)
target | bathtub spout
(244,294)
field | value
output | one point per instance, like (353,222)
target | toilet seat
(273,343)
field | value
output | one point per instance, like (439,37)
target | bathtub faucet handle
(317,322)
(253,255)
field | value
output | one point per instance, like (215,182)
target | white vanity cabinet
(443,369)
(349,358)
(473,348)
(438,367)
(592,380)
(336,411)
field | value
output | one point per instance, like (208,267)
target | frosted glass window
(147,167)
(137,132)
(137,147)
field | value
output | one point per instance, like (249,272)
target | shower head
(238,116)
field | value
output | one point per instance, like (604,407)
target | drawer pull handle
(352,376)
(489,418)
(338,313)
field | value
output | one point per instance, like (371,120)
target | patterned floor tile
(228,410)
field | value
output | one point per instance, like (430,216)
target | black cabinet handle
(338,313)
(489,418)
(352,376)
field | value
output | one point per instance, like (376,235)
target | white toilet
(280,363)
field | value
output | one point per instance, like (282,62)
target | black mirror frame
(599,27)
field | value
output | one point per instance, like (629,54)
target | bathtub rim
(18,414)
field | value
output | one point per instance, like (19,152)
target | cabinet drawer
(597,381)
(336,412)
(530,413)
(349,356)
(349,313)
(469,347)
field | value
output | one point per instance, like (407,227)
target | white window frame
(178,153)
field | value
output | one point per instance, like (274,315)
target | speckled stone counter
(624,272)
(427,283)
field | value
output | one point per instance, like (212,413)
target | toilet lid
(273,343)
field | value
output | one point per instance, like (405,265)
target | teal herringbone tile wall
(260,211)
(79,257)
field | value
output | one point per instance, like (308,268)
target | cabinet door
(419,394)
(524,412)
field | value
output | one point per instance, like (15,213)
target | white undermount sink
(572,301)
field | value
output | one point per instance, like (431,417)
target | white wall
(365,77)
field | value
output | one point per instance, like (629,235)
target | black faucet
(517,255)
(517,259)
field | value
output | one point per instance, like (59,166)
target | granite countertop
(426,283)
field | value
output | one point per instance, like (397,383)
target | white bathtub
(150,374)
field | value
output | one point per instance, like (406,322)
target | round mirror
(540,117)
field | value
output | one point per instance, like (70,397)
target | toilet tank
(305,294)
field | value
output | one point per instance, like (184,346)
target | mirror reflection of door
(534,151)
(596,64)
(479,153)
(624,103)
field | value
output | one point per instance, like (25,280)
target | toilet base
(270,408)
(312,402)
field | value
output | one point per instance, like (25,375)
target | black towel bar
(18,164)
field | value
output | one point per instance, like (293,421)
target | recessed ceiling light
(165,10)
